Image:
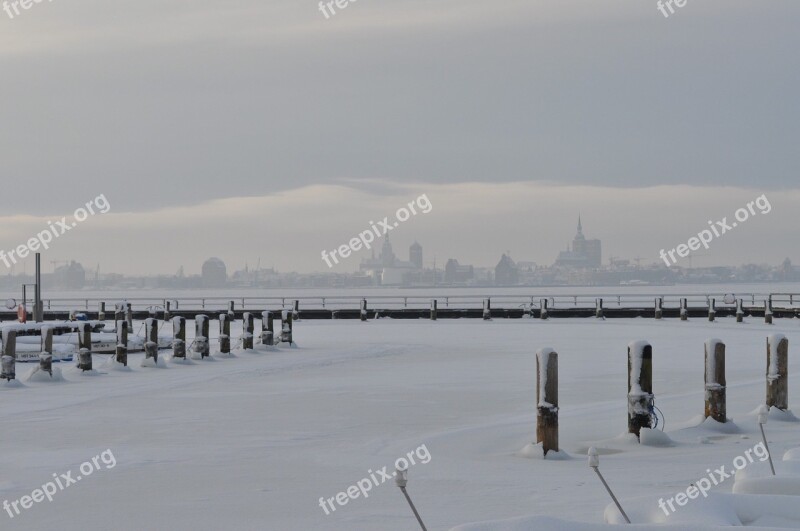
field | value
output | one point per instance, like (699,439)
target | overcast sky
(259,128)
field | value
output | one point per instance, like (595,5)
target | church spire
(580,227)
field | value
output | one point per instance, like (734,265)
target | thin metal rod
(769,454)
(611,494)
(421,524)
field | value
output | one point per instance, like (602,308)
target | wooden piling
(85,346)
(543,309)
(101,313)
(8,371)
(179,337)
(121,354)
(739,311)
(46,354)
(487,309)
(224,333)
(777,372)
(434,309)
(768,311)
(248,328)
(712,310)
(286,327)
(547,399)
(296,311)
(640,386)
(267,332)
(684,310)
(129,316)
(659,312)
(151,339)
(598,308)
(231,308)
(201,340)
(715,388)
(167,310)
(363,309)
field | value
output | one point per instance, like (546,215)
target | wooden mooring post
(231,308)
(101,312)
(179,338)
(778,372)
(9,359)
(659,312)
(46,354)
(286,327)
(434,309)
(715,389)
(267,332)
(543,309)
(547,399)
(768,311)
(225,333)
(363,309)
(167,310)
(487,309)
(712,310)
(129,316)
(640,386)
(85,346)
(201,339)
(248,328)
(296,311)
(151,339)
(739,310)
(684,310)
(598,308)
(122,344)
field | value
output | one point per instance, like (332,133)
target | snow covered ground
(253,442)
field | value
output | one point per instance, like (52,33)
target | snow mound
(111,364)
(151,363)
(535,451)
(657,438)
(36,374)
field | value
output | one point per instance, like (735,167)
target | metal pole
(410,503)
(769,454)
(611,494)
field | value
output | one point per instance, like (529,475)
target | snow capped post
(85,346)
(179,337)
(712,310)
(296,311)
(267,333)
(224,333)
(363,309)
(201,345)
(434,308)
(286,327)
(640,386)
(9,359)
(46,355)
(151,339)
(167,310)
(768,311)
(659,307)
(122,343)
(547,399)
(248,327)
(543,310)
(715,380)
(777,372)
(487,309)
(739,311)
(684,310)
(598,308)
(101,313)
(119,315)
(231,308)
(129,315)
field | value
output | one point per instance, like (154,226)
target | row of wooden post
(640,386)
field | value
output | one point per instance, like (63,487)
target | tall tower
(415,255)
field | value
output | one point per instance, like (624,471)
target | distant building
(506,272)
(415,255)
(584,254)
(454,273)
(214,274)
(71,276)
